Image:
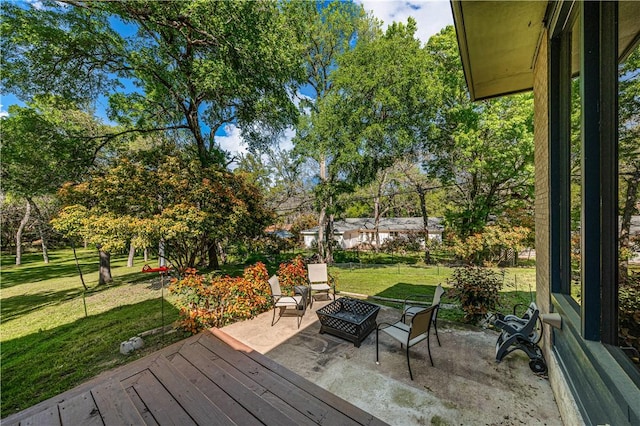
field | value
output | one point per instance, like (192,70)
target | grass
(398,281)
(49,345)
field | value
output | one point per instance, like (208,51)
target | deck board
(114,405)
(158,401)
(200,408)
(236,412)
(300,382)
(207,379)
(80,410)
(306,403)
(246,393)
(46,417)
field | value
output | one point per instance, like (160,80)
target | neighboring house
(352,232)
(516,46)
(280,231)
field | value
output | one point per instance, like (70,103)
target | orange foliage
(291,274)
(217,301)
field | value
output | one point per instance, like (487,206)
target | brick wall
(541,158)
(566,404)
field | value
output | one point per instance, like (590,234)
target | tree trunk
(146,254)
(23,223)
(631,198)
(43,239)
(132,253)
(376,221)
(377,211)
(222,254)
(328,258)
(161,259)
(425,224)
(213,256)
(105,267)
(322,239)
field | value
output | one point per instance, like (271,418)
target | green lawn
(48,345)
(398,281)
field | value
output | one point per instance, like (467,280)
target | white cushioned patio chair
(298,302)
(319,280)
(409,334)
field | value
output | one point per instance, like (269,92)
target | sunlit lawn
(49,346)
(399,281)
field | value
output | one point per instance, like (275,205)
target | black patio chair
(409,334)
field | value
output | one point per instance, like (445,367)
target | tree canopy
(182,67)
(482,151)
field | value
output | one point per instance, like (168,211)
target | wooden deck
(208,379)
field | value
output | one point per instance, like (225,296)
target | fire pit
(351,319)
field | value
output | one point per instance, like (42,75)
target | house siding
(564,398)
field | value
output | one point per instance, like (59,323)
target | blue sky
(430,15)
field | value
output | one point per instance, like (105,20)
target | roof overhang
(499,41)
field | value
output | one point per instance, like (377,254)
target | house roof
(207,379)
(392,224)
(499,41)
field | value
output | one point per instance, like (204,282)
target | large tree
(170,66)
(482,151)
(325,32)
(381,108)
(45,144)
(164,194)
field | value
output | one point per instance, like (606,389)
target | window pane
(576,140)
(629,198)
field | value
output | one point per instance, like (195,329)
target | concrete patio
(466,386)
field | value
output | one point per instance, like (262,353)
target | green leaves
(484,150)
(188,65)
(477,289)
(46,144)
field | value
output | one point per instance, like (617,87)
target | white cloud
(3,114)
(430,15)
(232,141)
(286,142)
(36,4)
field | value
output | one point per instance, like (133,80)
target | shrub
(291,274)
(489,246)
(477,289)
(217,301)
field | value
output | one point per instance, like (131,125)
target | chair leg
(273,320)
(429,349)
(435,327)
(409,363)
(377,362)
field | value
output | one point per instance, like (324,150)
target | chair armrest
(415,296)
(332,283)
(388,325)
(301,289)
(384,323)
